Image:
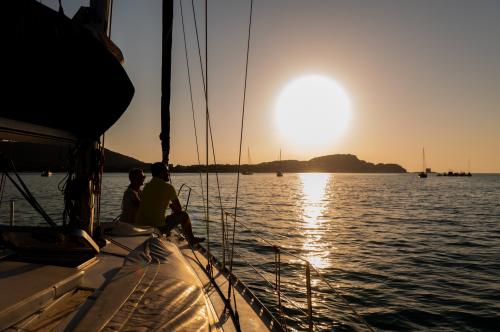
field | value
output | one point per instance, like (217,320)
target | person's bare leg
(187,229)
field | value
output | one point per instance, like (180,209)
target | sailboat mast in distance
(423,174)
(280,170)
(423,160)
(248,171)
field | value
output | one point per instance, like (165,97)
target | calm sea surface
(406,253)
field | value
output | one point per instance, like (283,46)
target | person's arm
(176,205)
(135,198)
(130,198)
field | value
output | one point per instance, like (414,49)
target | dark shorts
(174,219)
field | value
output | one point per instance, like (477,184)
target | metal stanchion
(12,212)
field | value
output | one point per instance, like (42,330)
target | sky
(418,74)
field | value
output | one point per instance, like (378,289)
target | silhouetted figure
(132,196)
(157,195)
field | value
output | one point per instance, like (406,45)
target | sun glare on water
(312,112)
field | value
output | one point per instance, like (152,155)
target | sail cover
(56,74)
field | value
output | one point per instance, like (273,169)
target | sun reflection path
(313,205)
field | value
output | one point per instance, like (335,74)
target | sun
(312,112)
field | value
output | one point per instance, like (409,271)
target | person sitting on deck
(132,196)
(157,195)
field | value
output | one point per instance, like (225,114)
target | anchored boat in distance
(46,173)
(248,170)
(279,173)
(423,174)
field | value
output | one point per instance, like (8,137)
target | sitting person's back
(132,196)
(157,195)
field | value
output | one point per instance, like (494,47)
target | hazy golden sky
(418,74)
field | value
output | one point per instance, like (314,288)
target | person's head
(136,177)
(160,170)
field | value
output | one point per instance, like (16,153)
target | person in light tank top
(132,196)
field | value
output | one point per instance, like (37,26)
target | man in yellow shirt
(157,195)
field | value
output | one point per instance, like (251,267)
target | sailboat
(468,168)
(248,172)
(423,174)
(88,275)
(279,173)
(46,173)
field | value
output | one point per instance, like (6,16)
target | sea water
(405,253)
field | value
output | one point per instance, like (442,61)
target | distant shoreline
(41,157)
(35,158)
(337,163)
(146,171)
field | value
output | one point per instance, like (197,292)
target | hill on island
(39,157)
(31,157)
(337,163)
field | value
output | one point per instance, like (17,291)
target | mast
(166,59)
(280,168)
(101,10)
(87,176)
(423,160)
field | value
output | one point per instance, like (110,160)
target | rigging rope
(25,192)
(2,187)
(110,19)
(239,155)
(192,105)
(61,10)
(206,134)
(98,178)
(65,184)
(209,132)
(208,125)
(208,110)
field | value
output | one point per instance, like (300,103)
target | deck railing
(284,302)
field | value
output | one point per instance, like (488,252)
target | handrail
(278,250)
(275,290)
(308,265)
(189,195)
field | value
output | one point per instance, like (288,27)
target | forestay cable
(192,105)
(209,129)
(209,266)
(209,121)
(24,190)
(239,155)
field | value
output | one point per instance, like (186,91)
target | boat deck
(135,283)
(27,287)
(251,314)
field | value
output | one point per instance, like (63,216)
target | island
(31,157)
(337,163)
